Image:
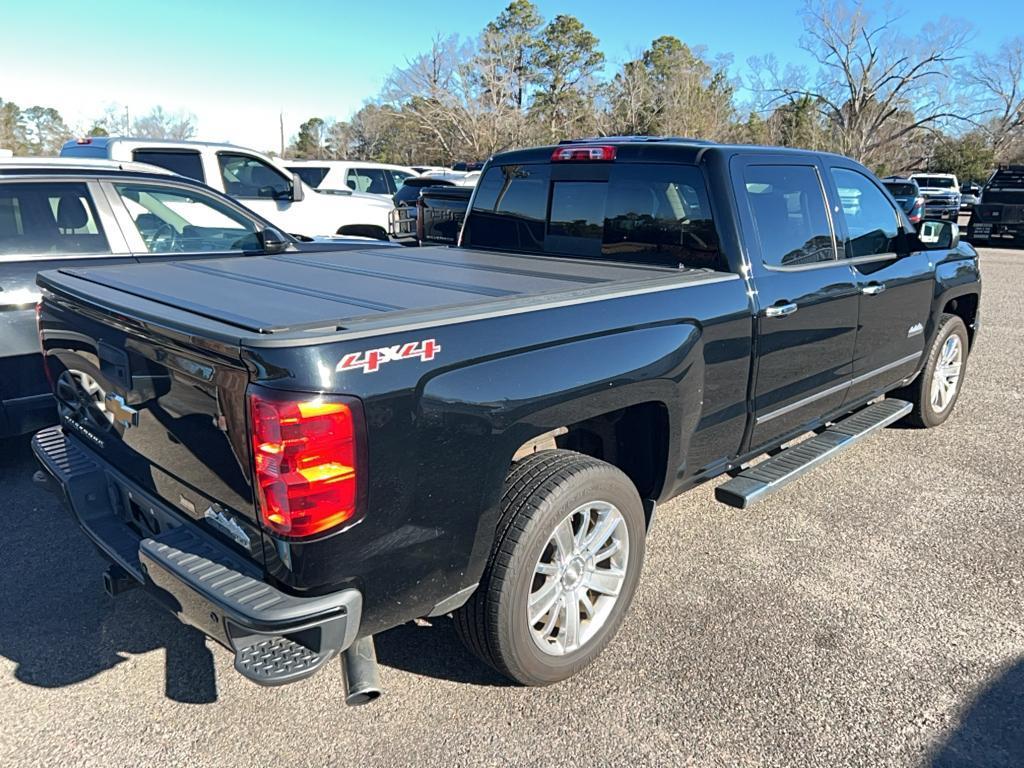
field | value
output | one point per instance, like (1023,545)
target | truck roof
(27,165)
(651,149)
(304,298)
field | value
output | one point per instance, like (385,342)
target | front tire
(935,392)
(563,569)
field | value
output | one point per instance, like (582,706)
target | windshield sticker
(371,360)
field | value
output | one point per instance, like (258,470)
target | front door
(806,297)
(896,285)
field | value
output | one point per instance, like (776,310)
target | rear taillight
(306,462)
(583,153)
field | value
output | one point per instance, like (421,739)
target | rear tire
(934,393)
(570,538)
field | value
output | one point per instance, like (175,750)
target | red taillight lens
(305,454)
(585,153)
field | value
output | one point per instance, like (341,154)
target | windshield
(900,189)
(934,181)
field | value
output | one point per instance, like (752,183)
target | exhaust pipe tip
(360,673)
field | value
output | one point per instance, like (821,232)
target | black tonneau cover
(302,295)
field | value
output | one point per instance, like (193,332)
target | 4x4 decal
(371,360)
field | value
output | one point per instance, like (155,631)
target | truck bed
(309,297)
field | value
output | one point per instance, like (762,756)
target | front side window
(182,163)
(372,180)
(173,220)
(249,177)
(788,208)
(49,219)
(871,222)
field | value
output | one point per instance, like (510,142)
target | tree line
(42,131)
(893,100)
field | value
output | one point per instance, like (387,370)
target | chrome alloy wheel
(946,378)
(578,577)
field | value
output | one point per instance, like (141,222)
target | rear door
(895,284)
(44,224)
(807,297)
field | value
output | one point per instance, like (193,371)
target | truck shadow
(991,730)
(59,627)
(434,651)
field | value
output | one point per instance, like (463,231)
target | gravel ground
(870,614)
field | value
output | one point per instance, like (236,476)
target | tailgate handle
(114,364)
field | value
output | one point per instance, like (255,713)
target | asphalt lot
(870,614)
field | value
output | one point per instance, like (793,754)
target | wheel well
(966,308)
(363,230)
(634,439)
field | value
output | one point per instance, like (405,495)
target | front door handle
(873,289)
(780,310)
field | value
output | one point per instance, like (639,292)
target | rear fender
(483,412)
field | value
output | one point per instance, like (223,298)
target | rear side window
(49,219)
(872,224)
(183,163)
(651,214)
(788,208)
(313,176)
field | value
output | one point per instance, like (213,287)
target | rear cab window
(182,162)
(49,218)
(646,213)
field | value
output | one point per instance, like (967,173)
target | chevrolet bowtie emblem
(123,413)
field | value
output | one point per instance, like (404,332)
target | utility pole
(127,122)
(281,123)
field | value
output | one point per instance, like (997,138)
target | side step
(753,484)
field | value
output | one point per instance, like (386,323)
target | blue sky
(236,63)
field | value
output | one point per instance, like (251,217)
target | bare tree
(874,87)
(999,80)
(160,124)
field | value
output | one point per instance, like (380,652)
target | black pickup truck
(998,219)
(295,452)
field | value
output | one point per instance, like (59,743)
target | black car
(908,195)
(73,213)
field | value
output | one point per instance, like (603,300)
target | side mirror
(272,241)
(298,193)
(938,235)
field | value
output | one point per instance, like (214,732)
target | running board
(753,484)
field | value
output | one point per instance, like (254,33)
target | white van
(261,183)
(331,175)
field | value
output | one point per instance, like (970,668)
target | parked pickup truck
(998,219)
(296,453)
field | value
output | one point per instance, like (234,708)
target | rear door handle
(780,310)
(873,289)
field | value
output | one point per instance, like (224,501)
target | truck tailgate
(166,415)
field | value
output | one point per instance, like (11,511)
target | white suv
(262,183)
(333,175)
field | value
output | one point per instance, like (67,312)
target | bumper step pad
(753,484)
(277,658)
